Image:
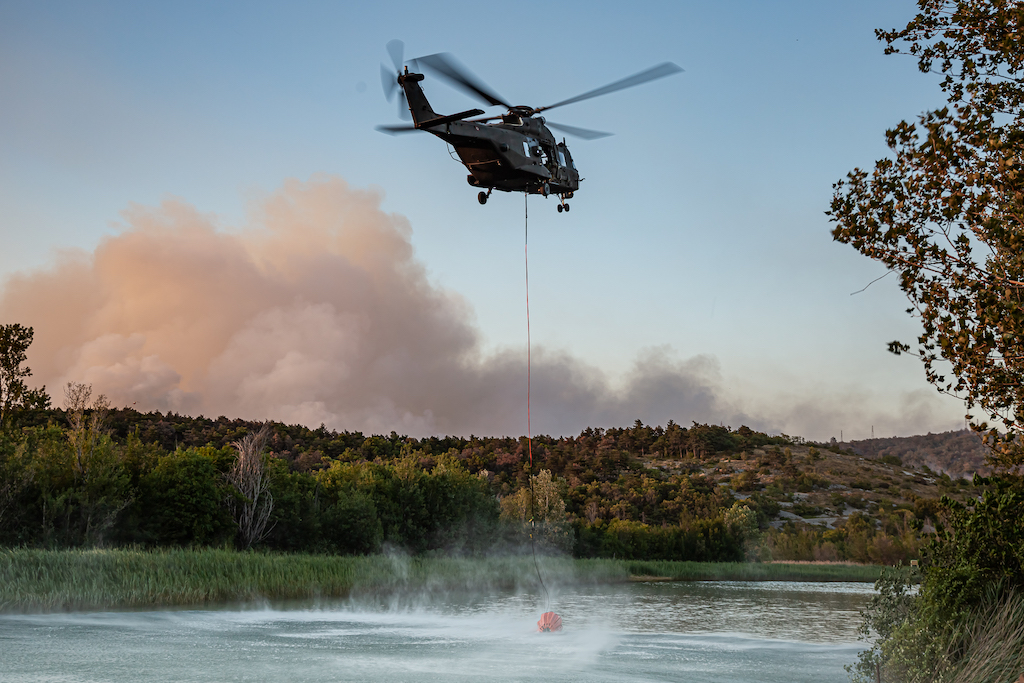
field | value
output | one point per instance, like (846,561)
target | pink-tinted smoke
(317,311)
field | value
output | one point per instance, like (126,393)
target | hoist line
(529,372)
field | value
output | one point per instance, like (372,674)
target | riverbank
(63,580)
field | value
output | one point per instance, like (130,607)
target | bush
(181,502)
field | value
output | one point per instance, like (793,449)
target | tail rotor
(389,78)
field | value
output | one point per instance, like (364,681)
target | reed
(994,638)
(749,571)
(58,580)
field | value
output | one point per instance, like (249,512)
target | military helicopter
(511,152)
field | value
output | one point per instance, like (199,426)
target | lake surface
(721,631)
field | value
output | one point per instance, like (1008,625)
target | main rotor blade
(584,133)
(659,71)
(396,49)
(396,130)
(447,66)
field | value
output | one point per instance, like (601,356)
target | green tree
(181,501)
(540,510)
(946,211)
(14,394)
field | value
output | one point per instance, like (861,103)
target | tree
(101,489)
(248,475)
(946,212)
(540,510)
(14,394)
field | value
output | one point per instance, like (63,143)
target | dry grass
(995,644)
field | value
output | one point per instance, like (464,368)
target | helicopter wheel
(482,197)
(560,209)
(567,208)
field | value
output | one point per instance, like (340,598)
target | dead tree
(254,502)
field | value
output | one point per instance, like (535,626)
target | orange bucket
(549,621)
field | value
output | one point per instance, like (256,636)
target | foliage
(978,547)
(974,571)
(945,213)
(887,613)
(14,394)
(994,642)
(539,512)
(180,502)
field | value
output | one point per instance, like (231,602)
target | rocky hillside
(958,454)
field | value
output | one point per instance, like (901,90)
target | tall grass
(995,644)
(748,571)
(55,580)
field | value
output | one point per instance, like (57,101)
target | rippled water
(696,632)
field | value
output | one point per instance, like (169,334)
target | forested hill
(703,492)
(958,454)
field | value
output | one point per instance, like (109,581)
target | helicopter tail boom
(419,107)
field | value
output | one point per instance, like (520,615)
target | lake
(715,631)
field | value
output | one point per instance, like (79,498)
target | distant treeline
(97,477)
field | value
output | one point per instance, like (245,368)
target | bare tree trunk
(249,477)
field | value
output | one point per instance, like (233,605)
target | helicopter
(511,152)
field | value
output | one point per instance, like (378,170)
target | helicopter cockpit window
(561,158)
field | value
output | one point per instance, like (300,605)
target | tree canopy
(14,394)
(946,211)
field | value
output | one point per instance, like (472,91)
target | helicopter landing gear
(560,209)
(562,204)
(482,197)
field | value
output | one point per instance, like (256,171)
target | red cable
(529,360)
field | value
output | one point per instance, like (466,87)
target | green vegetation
(48,580)
(89,476)
(92,476)
(944,213)
(327,512)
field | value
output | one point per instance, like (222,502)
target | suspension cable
(529,371)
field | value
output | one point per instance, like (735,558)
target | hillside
(703,492)
(958,454)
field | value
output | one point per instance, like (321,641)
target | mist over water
(700,632)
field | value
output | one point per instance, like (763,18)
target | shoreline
(39,581)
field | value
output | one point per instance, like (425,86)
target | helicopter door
(532,149)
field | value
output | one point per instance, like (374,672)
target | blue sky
(698,232)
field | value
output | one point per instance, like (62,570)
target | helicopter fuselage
(518,153)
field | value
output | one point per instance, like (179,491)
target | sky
(196,214)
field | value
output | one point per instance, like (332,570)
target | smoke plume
(317,311)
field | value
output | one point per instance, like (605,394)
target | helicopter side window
(561,158)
